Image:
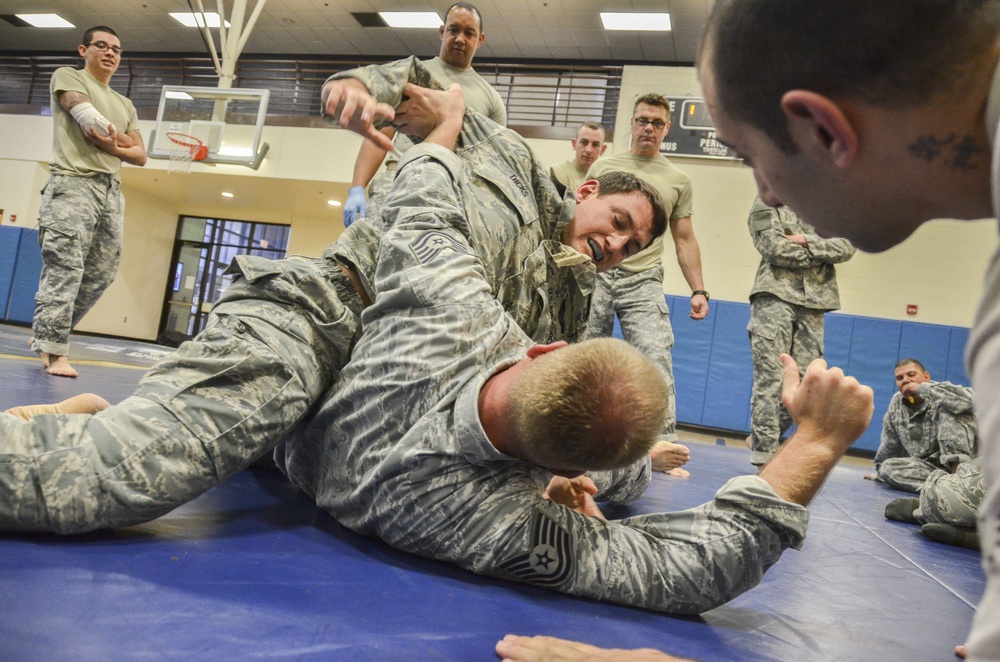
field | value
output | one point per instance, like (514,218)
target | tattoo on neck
(950,151)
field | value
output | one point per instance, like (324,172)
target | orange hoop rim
(195,146)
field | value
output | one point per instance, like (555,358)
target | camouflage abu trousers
(274,344)
(80,233)
(777,327)
(948,498)
(638,300)
(907,473)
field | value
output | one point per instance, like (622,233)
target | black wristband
(702,293)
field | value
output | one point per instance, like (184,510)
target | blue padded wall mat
(730,374)
(10,241)
(21,307)
(693,340)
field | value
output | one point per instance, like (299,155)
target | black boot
(901,510)
(959,536)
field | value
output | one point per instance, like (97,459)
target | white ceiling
(515,29)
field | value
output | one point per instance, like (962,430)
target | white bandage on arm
(86,116)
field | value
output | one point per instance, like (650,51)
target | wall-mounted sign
(691,132)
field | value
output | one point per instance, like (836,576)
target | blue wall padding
(930,341)
(713,369)
(21,307)
(956,373)
(693,341)
(874,351)
(730,371)
(10,239)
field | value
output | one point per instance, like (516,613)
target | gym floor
(253,569)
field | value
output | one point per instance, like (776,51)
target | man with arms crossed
(461,36)
(796,284)
(82,213)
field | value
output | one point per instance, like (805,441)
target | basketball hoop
(185,150)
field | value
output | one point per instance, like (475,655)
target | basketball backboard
(229,122)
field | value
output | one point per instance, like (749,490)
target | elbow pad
(87,116)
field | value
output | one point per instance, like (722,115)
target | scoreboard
(691,132)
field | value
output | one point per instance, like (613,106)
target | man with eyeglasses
(634,289)
(81,217)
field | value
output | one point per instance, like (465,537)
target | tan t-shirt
(568,174)
(72,154)
(673,185)
(478,94)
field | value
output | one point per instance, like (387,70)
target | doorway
(203,249)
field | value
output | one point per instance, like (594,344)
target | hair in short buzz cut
(595,405)
(594,126)
(652,99)
(467,7)
(889,53)
(902,362)
(89,34)
(619,181)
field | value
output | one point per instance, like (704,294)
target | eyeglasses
(645,121)
(104,46)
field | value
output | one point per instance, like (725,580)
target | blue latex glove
(356,205)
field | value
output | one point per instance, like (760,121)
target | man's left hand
(699,307)
(426,110)
(575,493)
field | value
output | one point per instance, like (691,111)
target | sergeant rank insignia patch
(430,244)
(550,561)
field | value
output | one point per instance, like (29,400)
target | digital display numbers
(691,132)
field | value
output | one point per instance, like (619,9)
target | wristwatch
(701,292)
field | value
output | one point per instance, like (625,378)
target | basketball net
(184,150)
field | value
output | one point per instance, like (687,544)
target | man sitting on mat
(929,426)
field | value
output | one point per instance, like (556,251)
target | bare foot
(85,403)
(960,651)
(517,648)
(749,441)
(667,455)
(680,473)
(57,365)
(871,476)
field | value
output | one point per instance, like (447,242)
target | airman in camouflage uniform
(82,213)
(277,339)
(937,431)
(397,449)
(796,285)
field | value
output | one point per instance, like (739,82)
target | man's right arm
(367,163)
(830,411)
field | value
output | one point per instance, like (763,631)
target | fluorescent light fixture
(636,21)
(411,19)
(227,194)
(45,20)
(333,203)
(193,20)
(226,150)
(173,94)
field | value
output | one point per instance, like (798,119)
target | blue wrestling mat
(253,570)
